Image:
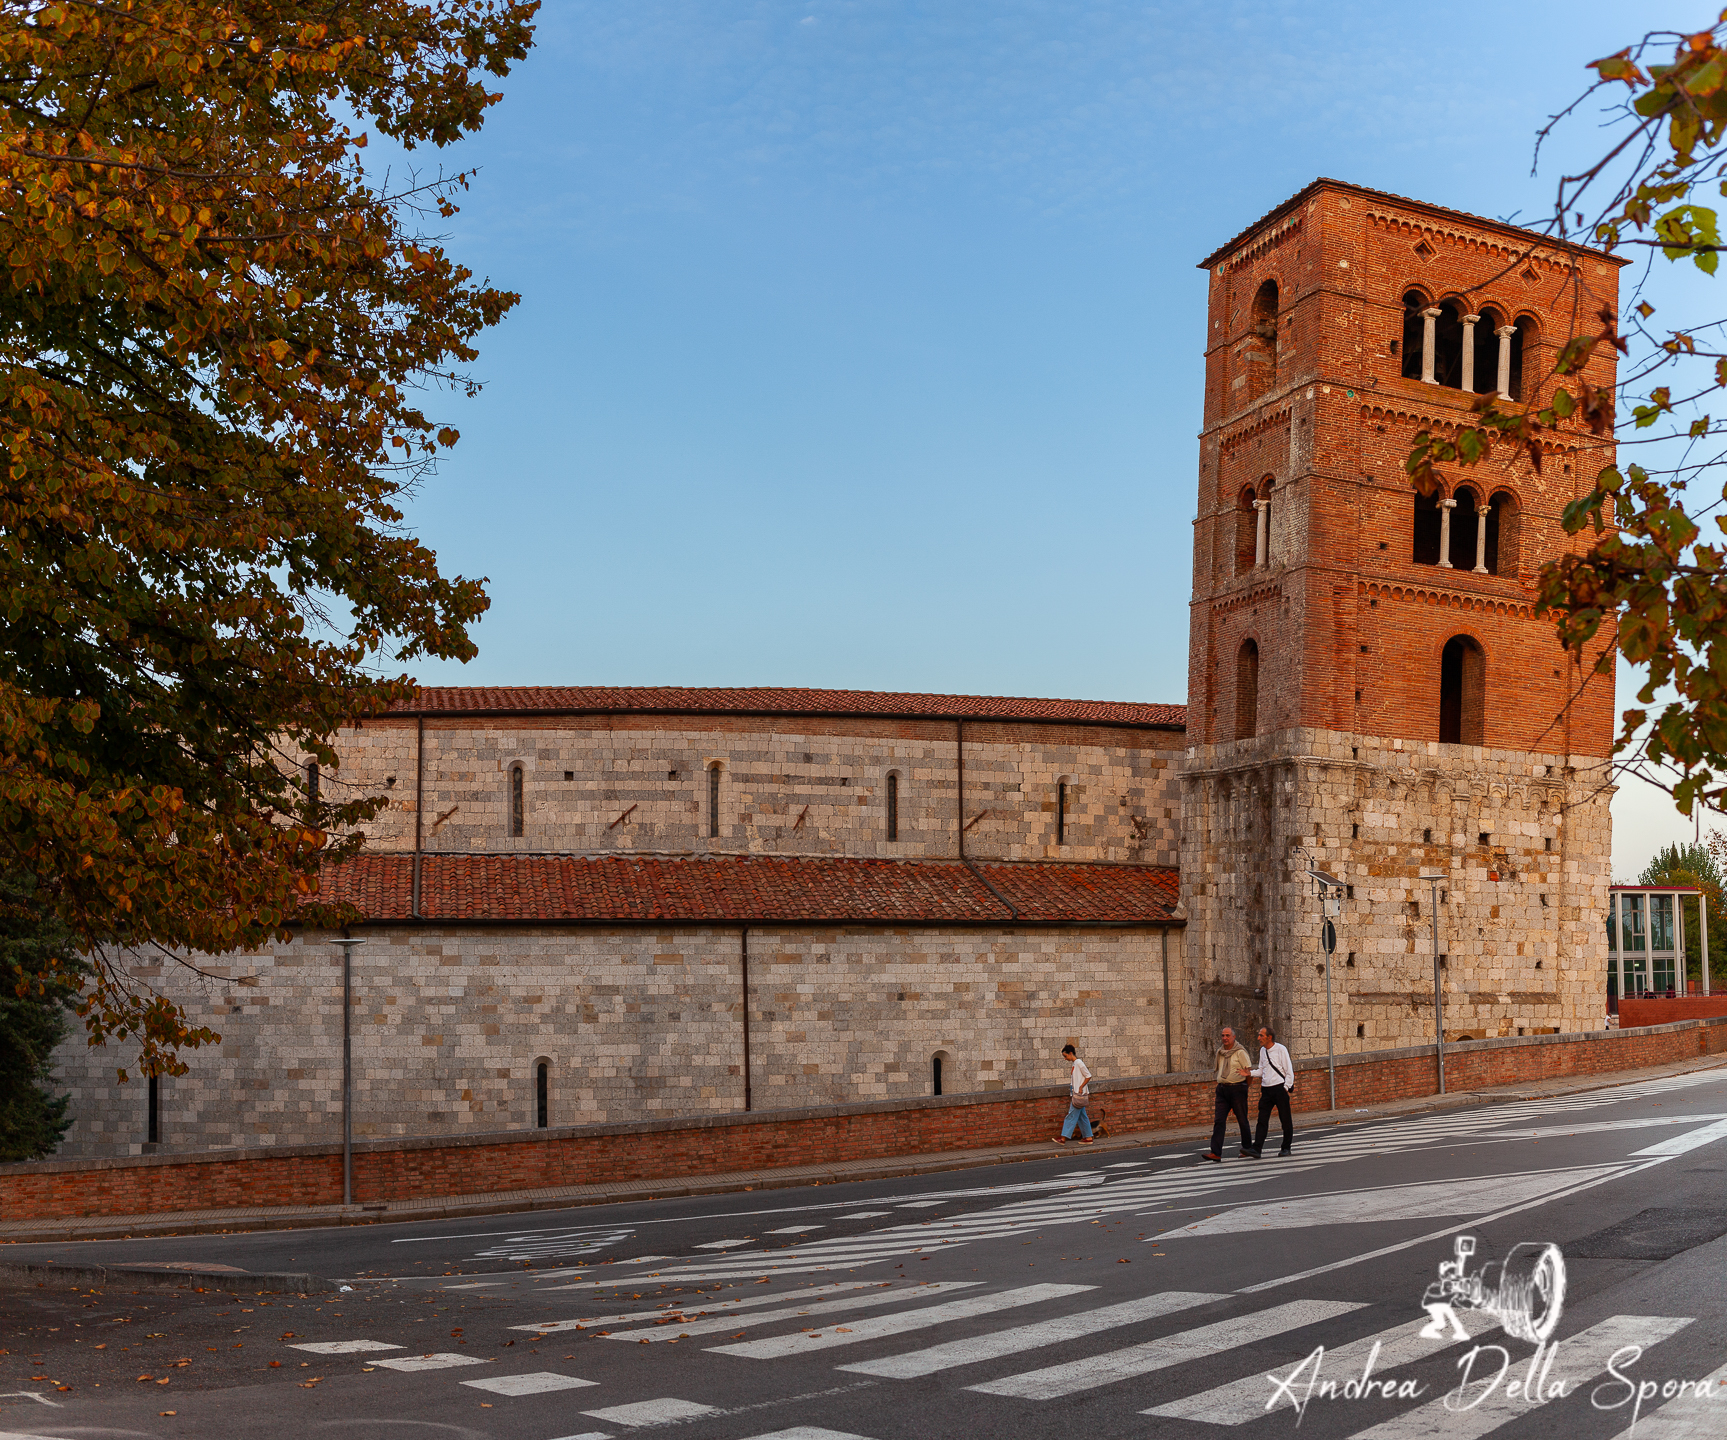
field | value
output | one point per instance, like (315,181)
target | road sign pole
(1328,937)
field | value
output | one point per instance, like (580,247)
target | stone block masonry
(633,1022)
(396,1170)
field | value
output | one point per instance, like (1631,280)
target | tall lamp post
(1330,891)
(347,1068)
(1433,882)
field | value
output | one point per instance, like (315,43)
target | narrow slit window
(153,1120)
(518,809)
(542,1096)
(893,807)
(713,802)
(1061,812)
(312,782)
(935,1075)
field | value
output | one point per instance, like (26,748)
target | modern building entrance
(1646,941)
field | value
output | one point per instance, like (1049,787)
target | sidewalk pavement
(448,1207)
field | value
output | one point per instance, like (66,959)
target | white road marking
(704,1307)
(1596,1127)
(866,1215)
(537,1382)
(344,1347)
(1576,1361)
(793,1230)
(766,1317)
(588,1435)
(1460,1196)
(919,1204)
(880,1325)
(1247,1399)
(809,1432)
(1692,1416)
(1126,1164)
(653,1412)
(1057,1380)
(1028,1337)
(442,1361)
(1680,1144)
(723,1244)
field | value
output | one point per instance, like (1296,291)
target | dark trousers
(1273,1097)
(1231,1099)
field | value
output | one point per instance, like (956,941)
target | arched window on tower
(1523,341)
(1487,350)
(1259,354)
(1448,346)
(1462,691)
(1414,333)
(1425,550)
(518,803)
(1463,530)
(1246,531)
(1247,690)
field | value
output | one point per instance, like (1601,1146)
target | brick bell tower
(1370,690)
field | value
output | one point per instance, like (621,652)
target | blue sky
(860,343)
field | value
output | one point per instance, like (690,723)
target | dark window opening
(518,807)
(312,782)
(935,1076)
(1448,346)
(1427,520)
(1462,555)
(1547,844)
(893,807)
(1360,1032)
(1414,333)
(1462,692)
(1061,812)
(153,1119)
(1247,691)
(1519,343)
(713,802)
(1259,354)
(1502,535)
(1487,352)
(542,1088)
(1426,837)
(1246,533)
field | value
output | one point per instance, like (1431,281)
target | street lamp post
(1433,882)
(347,1068)
(1330,890)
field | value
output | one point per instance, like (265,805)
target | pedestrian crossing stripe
(1699,1414)
(731,1321)
(1054,1381)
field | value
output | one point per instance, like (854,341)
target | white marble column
(1481,508)
(1505,332)
(1430,342)
(1445,509)
(1469,353)
(1259,536)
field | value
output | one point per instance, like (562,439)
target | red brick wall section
(1664,1012)
(416,1169)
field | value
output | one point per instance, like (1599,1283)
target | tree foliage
(37,956)
(218,333)
(1653,570)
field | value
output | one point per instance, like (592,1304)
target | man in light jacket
(1233,1069)
(1078,1097)
(1276,1084)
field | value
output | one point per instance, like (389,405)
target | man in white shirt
(1079,1095)
(1276,1084)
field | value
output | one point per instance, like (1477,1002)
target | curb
(99,1277)
(790,1177)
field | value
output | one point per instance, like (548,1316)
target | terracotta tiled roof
(697,890)
(771,700)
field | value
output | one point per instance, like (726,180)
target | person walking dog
(1233,1069)
(1079,1096)
(1276,1084)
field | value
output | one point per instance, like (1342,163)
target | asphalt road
(1090,1295)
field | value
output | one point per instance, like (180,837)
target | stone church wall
(636,1023)
(1523,840)
(632,783)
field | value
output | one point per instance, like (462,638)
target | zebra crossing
(1282,1357)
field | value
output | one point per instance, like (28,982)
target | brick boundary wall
(1635,1013)
(405,1169)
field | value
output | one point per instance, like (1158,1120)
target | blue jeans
(1076,1116)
